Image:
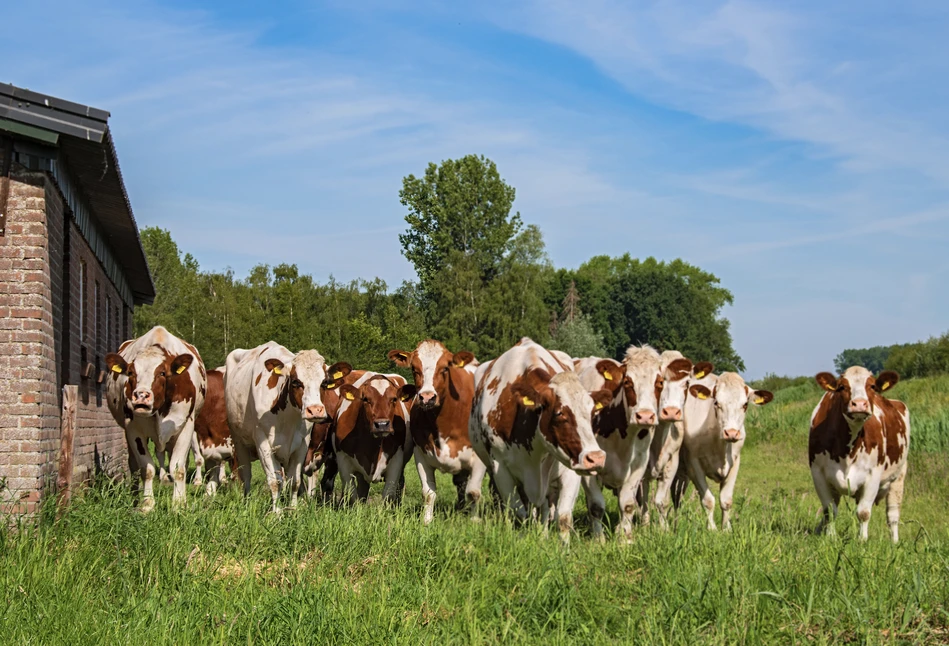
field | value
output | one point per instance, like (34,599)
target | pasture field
(226,571)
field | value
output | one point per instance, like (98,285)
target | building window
(95,317)
(108,324)
(82,300)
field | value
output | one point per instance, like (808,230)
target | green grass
(225,571)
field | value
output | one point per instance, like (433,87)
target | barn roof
(81,134)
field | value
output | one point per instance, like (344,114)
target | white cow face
(677,377)
(731,398)
(644,383)
(857,387)
(298,384)
(154,379)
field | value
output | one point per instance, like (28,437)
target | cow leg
(179,463)
(663,486)
(242,453)
(868,496)
(362,488)
(145,468)
(473,488)
(705,493)
(426,474)
(642,499)
(828,499)
(894,501)
(627,506)
(330,469)
(569,488)
(265,453)
(596,505)
(295,473)
(135,472)
(215,470)
(198,460)
(726,493)
(395,478)
(637,471)
(535,490)
(507,487)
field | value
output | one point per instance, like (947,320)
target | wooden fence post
(70,415)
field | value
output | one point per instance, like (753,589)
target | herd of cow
(540,423)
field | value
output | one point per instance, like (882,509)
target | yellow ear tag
(528,401)
(330,386)
(597,406)
(117,368)
(405,398)
(700,374)
(180,370)
(608,376)
(349,396)
(702,396)
(277,370)
(886,386)
(460,364)
(759,400)
(337,374)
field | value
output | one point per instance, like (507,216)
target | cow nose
(671,414)
(645,417)
(859,406)
(381,425)
(315,411)
(593,460)
(427,398)
(142,396)
(731,434)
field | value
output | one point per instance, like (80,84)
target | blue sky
(799,151)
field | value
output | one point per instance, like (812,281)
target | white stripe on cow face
(643,371)
(428,354)
(147,393)
(309,368)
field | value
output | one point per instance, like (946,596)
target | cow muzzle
(381,427)
(591,462)
(731,434)
(142,401)
(427,400)
(645,417)
(858,408)
(316,413)
(670,414)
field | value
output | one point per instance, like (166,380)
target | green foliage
(922,359)
(671,306)
(578,338)
(774,382)
(873,359)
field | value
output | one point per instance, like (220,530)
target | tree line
(484,280)
(921,359)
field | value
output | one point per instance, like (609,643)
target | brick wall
(41,347)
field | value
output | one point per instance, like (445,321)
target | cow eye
(297,383)
(445,370)
(162,373)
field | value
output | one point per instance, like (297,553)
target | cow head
(152,378)
(379,399)
(298,384)
(731,397)
(565,412)
(856,391)
(677,376)
(643,385)
(431,364)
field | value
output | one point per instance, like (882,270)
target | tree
(578,338)
(873,359)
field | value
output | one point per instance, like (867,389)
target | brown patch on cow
(211,424)
(140,446)
(179,387)
(272,380)
(559,427)
(679,369)
(610,420)
(513,422)
(257,380)
(643,432)
(493,386)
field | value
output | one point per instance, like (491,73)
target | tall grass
(225,570)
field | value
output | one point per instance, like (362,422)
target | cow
(271,397)
(625,428)
(529,414)
(320,451)
(371,438)
(714,435)
(439,425)
(679,374)
(212,445)
(858,446)
(155,392)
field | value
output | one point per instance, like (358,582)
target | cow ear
(678,369)
(399,358)
(699,391)
(761,397)
(612,373)
(347,391)
(601,399)
(826,381)
(274,365)
(407,392)
(462,359)
(338,370)
(181,363)
(527,397)
(701,369)
(116,363)
(887,380)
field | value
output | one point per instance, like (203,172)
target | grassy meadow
(226,571)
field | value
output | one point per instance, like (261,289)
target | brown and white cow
(625,428)
(156,390)
(212,445)
(679,374)
(371,438)
(530,415)
(440,413)
(320,451)
(714,434)
(271,397)
(858,446)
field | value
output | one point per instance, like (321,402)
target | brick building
(72,269)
